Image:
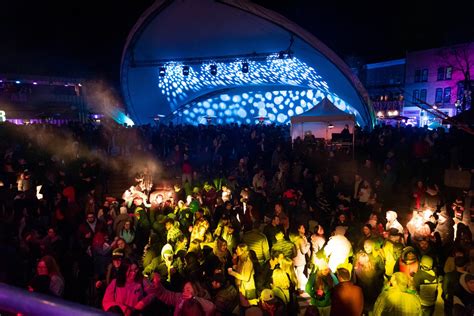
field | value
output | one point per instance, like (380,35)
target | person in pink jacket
(126,293)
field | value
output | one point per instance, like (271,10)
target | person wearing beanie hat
(270,304)
(392,222)
(425,282)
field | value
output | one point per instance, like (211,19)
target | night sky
(86,38)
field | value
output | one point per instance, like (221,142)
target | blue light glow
(276,105)
(261,107)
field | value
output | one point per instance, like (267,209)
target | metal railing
(15,300)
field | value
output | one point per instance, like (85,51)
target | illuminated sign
(3,116)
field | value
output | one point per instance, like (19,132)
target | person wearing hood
(408,263)
(166,265)
(392,222)
(425,282)
(464,296)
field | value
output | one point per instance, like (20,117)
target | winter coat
(124,297)
(463,299)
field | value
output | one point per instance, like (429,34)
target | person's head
(424,245)
(121,244)
(278,208)
(267,298)
(324,269)
(242,251)
(391,216)
(280,279)
(51,232)
(426,263)
(275,257)
(47,266)
(42,268)
(276,220)
(320,230)
(399,280)
(90,217)
(169,223)
(301,229)
(367,230)
(117,257)
(127,225)
(286,264)
(469,278)
(342,218)
(133,272)
(343,275)
(221,244)
(369,246)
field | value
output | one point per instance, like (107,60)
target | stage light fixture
(213,69)
(245,68)
(162,71)
(185,70)
(330,126)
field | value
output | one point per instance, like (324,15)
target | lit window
(449,73)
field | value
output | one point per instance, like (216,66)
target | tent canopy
(321,121)
(324,111)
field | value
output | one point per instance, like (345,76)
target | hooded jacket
(463,299)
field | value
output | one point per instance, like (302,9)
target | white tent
(323,120)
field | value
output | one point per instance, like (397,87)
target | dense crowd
(237,220)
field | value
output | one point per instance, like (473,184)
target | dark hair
(191,307)
(343,274)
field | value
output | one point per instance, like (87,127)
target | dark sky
(83,38)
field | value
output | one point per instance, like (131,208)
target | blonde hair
(280,279)
(286,265)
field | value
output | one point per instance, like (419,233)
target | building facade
(425,81)
(41,99)
(384,82)
(439,77)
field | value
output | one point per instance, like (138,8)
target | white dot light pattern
(261,108)
(276,106)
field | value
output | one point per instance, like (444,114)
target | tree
(461,59)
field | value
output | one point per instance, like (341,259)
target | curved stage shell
(230,61)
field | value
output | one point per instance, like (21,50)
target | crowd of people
(237,220)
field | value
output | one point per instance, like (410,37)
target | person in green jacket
(319,287)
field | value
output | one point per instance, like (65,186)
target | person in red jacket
(346,298)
